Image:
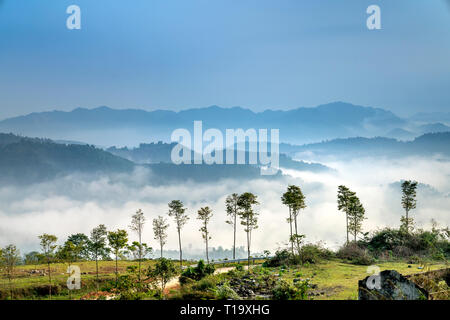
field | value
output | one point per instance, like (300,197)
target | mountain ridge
(101,125)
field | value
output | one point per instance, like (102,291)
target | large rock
(390,285)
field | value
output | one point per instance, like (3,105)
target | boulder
(390,285)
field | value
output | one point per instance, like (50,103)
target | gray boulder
(390,285)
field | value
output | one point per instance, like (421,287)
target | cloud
(78,203)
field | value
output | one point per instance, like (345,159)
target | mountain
(425,145)
(26,160)
(433,128)
(154,153)
(401,134)
(105,126)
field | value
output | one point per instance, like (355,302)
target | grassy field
(339,281)
(334,279)
(23,280)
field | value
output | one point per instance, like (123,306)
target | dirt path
(174,283)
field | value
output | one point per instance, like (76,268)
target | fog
(78,203)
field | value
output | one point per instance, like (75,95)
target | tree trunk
(161,249)
(346,218)
(10,287)
(50,281)
(140,257)
(96,271)
(181,253)
(70,290)
(234,239)
(248,244)
(207,257)
(290,226)
(117,270)
(407,222)
(296,234)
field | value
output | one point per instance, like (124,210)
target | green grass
(339,280)
(24,281)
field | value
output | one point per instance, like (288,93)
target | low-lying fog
(78,204)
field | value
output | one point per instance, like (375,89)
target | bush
(224,292)
(285,291)
(197,273)
(433,244)
(282,257)
(205,289)
(355,254)
(313,253)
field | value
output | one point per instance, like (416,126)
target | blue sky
(260,54)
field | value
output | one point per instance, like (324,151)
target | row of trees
(101,243)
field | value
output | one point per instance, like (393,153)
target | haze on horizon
(257,54)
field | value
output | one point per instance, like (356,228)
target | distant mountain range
(107,127)
(154,153)
(26,160)
(427,145)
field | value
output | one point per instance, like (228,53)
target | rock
(390,285)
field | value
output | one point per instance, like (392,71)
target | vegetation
(160,230)
(408,202)
(248,216)
(205,214)
(197,273)
(117,241)
(177,211)
(137,225)
(232,212)
(310,271)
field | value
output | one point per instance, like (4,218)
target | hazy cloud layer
(77,204)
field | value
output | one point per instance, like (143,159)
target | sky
(259,54)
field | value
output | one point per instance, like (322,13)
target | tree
(295,200)
(408,203)
(33,257)
(248,217)
(69,253)
(139,250)
(344,195)
(117,241)
(10,257)
(205,214)
(177,211)
(48,246)
(286,200)
(97,245)
(231,203)
(355,215)
(137,225)
(81,241)
(163,271)
(160,230)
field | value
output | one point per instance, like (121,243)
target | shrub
(355,254)
(197,273)
(282,257)
(313,253)
(433,244)
(224,292)
(285,291)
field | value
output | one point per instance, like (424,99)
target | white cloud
(78,204)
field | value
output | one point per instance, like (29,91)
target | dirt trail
(174,282)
